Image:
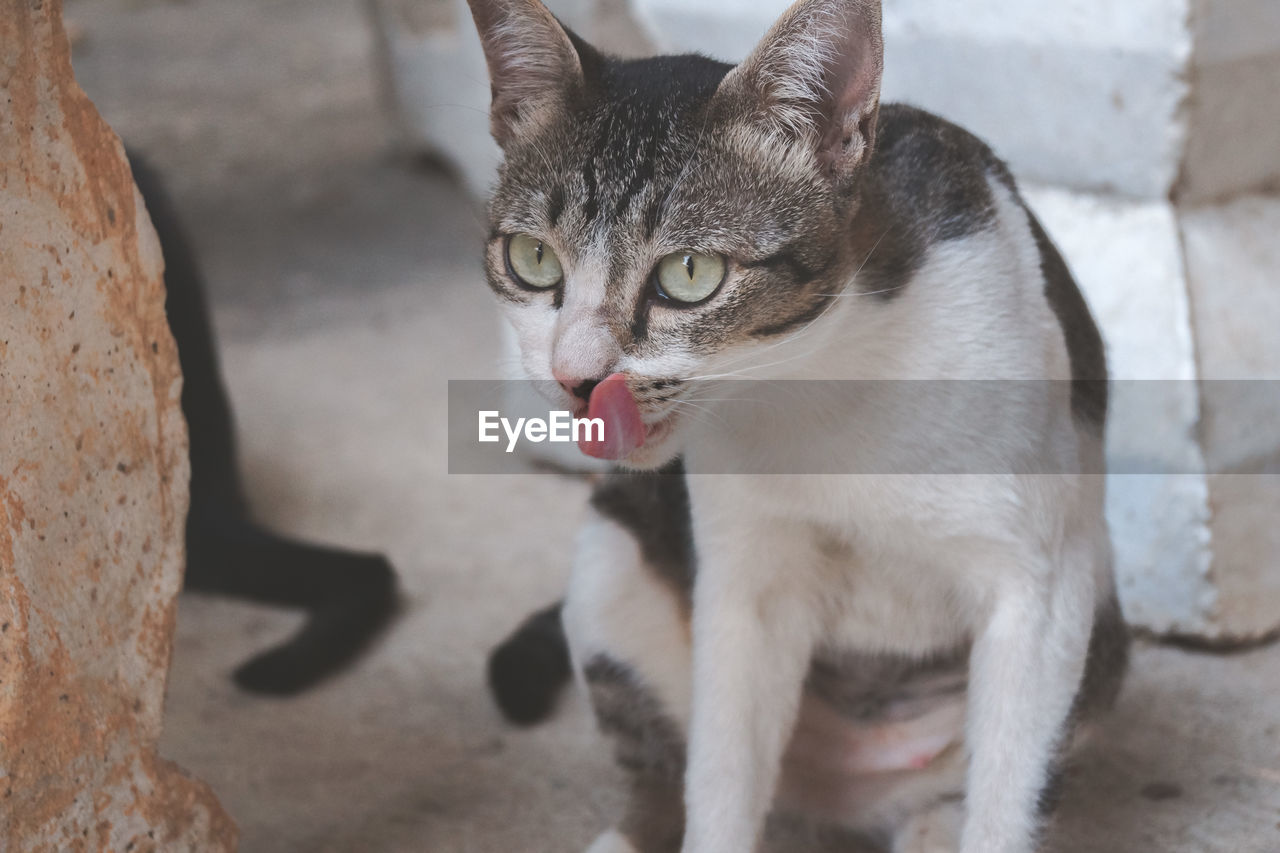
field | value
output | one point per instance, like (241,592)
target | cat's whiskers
(701,412)
(862,292)
(743,373)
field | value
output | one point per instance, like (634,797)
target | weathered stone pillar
(93,477)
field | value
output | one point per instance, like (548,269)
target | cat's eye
(690,276)
(533,262)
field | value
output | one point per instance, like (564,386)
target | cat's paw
(611,841)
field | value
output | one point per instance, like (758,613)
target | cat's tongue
(611,402)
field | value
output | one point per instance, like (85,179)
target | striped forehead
(638,122)
(629,156)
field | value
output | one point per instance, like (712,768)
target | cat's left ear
(815,78)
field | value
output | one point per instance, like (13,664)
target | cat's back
(932,185)
(934,159)
(928,182)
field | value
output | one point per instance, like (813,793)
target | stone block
(1184,298)
(1233,133)
(1127,259)
(1233,267)
(93,477)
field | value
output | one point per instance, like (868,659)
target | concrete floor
(347,290)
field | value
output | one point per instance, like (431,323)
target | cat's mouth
(625,428)
(613,406)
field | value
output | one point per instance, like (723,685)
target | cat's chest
(892,557)
(897,605)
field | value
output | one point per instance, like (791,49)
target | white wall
(1082,93)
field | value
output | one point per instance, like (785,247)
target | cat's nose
(579,388)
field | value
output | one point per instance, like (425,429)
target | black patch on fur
(529,668)
(641,177)
(927,182)
(652,216)
(806,315)
(1159,792)
(787,260)
(654,507)
(555,205)
(654,822)
(870,688)
(508,294)
(647,740)
(1085,349)
(795,267)
(937,170)
(640,320)
(591,205)
(1051,794)
(1106,663)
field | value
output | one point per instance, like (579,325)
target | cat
(904,658)
(350,596)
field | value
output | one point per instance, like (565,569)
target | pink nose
(578,388)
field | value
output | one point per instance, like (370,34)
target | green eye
(533,262)
(690,277)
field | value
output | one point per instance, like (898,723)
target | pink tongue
(611,402)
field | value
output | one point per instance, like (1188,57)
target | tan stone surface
(93,477)
(1233,272)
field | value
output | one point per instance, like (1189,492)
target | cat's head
(673,218)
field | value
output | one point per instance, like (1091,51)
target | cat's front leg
(755,623)
(1025,670)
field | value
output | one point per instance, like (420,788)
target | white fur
(611,842)
(893,563)
(1014,563)
(617,607)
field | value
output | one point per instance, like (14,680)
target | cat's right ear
(815,79)
(533,62)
